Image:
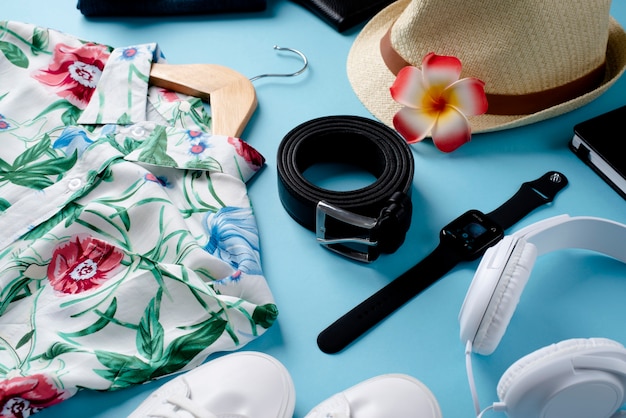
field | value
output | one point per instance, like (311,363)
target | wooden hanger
(231,95)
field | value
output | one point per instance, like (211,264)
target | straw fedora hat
(538,58)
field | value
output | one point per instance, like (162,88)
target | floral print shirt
(128,245)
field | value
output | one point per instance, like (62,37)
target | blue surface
(570,293)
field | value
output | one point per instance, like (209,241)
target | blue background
(570,293)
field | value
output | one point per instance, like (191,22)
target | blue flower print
(108,129)
(234,238)
(198,148)
(4,123)
(195,135)
(71,140)
(133,53)
(197,142)
(161,180)
(129,53)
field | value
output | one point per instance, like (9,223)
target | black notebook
(600,143)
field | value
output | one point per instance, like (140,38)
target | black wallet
(344,14)
(166,7)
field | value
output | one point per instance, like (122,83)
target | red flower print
(74,72)
(82,263)
(23,396)
(169,95)
(251,155)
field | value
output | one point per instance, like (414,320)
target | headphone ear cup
(505,298)
(546,381)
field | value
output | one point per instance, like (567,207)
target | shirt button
(138,132)
(74,184)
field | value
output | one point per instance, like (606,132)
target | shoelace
(185,404)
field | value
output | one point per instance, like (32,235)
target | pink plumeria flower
(436,102)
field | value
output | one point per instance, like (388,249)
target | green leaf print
(184,348)
(210,164)
(265,315)
(123,215)
(14,54)
(198,114)
(124,119)
(70,115)
(124,371)
(40,40)
(36,175)
(25,339)
(33,153)
(150,335)
(58,349)
(14,291)
(103,321)
(4,204)
(129,145)
(29,170)
(155,149)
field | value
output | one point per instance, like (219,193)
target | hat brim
(371,79)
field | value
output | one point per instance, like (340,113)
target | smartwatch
(464,239)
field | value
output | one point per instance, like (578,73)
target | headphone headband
(556,233)
(582,232)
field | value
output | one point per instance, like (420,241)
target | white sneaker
(238,385)
(389,395)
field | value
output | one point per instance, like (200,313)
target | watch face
(471,234)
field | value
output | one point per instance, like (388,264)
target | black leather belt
(363,223)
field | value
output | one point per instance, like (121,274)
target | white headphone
(577,378)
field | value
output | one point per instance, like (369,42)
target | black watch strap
(381,304)
(384,302)
(529,197)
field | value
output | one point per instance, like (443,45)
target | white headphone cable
(496,406)
(470,377)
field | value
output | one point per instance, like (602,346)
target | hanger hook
(300,71)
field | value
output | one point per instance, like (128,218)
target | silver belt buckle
(346,246)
